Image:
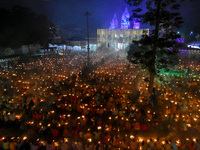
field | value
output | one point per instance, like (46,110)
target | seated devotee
(158,144)
(106,137)
(151,144)
(97,135)
(64,146)
(133,144)
(128,125)
(167,146)
(6,119)
(144,127)
(55,133)
(12,118)
(87,135)
(190,145)
(136,126)
(116,141)
(143,145)
(173,145)
(124,144)
(6,144)
(50,146)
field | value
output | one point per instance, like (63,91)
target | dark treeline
(20,25)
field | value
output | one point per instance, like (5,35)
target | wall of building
(119,38)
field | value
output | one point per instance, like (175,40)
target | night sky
(68,15)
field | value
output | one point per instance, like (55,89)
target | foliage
(197,37)
(20,26)
(152,52)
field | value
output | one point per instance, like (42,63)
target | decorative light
(89,140)
(24,138)
(132,137)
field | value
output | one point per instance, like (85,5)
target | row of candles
(139,140)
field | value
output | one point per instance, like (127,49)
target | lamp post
(87,14)
(191,35)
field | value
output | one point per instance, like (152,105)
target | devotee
(34,146)
(143,145)
(167,146)
(12,119)
(6,144)
(134,144)
(158,144)
(151,144)
(198,145)
(50,146)
(173,145)
(102,106)
(25,145)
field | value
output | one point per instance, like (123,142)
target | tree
(152,51)
(197,37)
(20,26)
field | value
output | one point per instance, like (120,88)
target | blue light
(125,23)
(136,23)
(180,40)
(114,23)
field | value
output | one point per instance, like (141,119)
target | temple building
(114,23)
(125,23)
(121,37)
(136,23)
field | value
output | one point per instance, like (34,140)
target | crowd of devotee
(150,144)
(57,102)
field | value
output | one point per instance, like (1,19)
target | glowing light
(56,144)
(89,140)
(24,138)
(114,23)
(125,23)
(99,128)
(132,137)
(136,23)
(66,140)
(140,139)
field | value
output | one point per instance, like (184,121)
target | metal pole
(88,48)
(88,41)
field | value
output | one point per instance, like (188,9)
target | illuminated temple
(121,37)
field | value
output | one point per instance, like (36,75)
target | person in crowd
(34,146)
(173,145)
(158,144)
(6,144)
(12,119)
(151,144)
(167,146)
(13,145)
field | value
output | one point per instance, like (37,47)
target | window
(109,37)
(120,46)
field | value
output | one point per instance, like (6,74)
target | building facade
(121,37)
